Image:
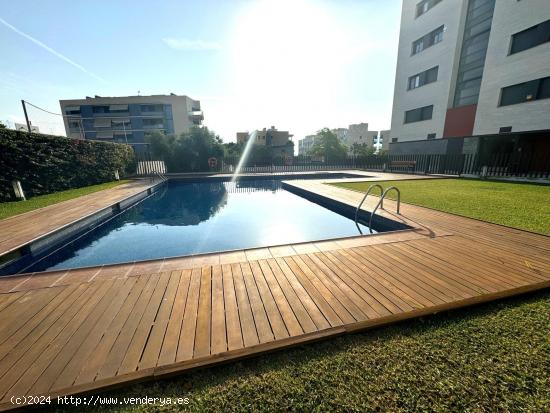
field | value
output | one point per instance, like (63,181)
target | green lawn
(489,358)
(518,205)
(8,209)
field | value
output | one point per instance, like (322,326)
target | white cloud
(49,49)
(188,44)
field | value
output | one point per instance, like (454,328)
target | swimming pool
(185,218)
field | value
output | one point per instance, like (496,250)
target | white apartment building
(470,67)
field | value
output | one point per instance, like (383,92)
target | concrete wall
(501,69)
(445,54)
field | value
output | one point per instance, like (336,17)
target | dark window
(152,108)
(394,140)
(419,114)
(474,49)
(74,124)
(73,112)
(505,129)
(155,122)
(428,40)
(100,109)
(525,92)
(424,6)
(431,136)
(531,37)
(421,79)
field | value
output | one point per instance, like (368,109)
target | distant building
(341,134)
(305,145)
(129,118)
(359,134)
(473,67)
(278,141)
(384,140)
(23,127)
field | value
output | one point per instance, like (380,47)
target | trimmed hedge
(46,163)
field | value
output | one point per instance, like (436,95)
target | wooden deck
(21,229)
(85,334)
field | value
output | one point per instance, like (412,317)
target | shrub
(46,163)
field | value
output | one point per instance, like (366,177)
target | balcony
(196,116)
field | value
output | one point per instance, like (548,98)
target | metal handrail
(365,197)
(382,200)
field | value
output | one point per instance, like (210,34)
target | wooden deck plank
(232,321)
(189,323)
(261,320)
(218,338)
(156,339)
(170,344)
(204,315)
(248,327)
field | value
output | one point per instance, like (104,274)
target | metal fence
(520,164)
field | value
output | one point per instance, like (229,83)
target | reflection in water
(192,218)
(182,205)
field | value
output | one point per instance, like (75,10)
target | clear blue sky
(297,64)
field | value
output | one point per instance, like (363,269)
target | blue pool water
(191,218)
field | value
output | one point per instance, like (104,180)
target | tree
(188,152)
(328,145)
(362,149)
(2,126)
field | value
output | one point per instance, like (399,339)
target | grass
(518,205)
(493,357)
(8,209)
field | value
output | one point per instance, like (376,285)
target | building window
(100,109)
(428,40)
(72,110)
(152,108)
(525,92)
(421,79)
(419,114)
(431,136)
(120,123)
(393,140)
(74,124)
(424,6)
(531,37)
(154,123)
(474,48)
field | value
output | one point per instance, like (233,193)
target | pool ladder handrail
(365,197)
(380,203)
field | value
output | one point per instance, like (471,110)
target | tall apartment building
(471,67)
(128,119)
